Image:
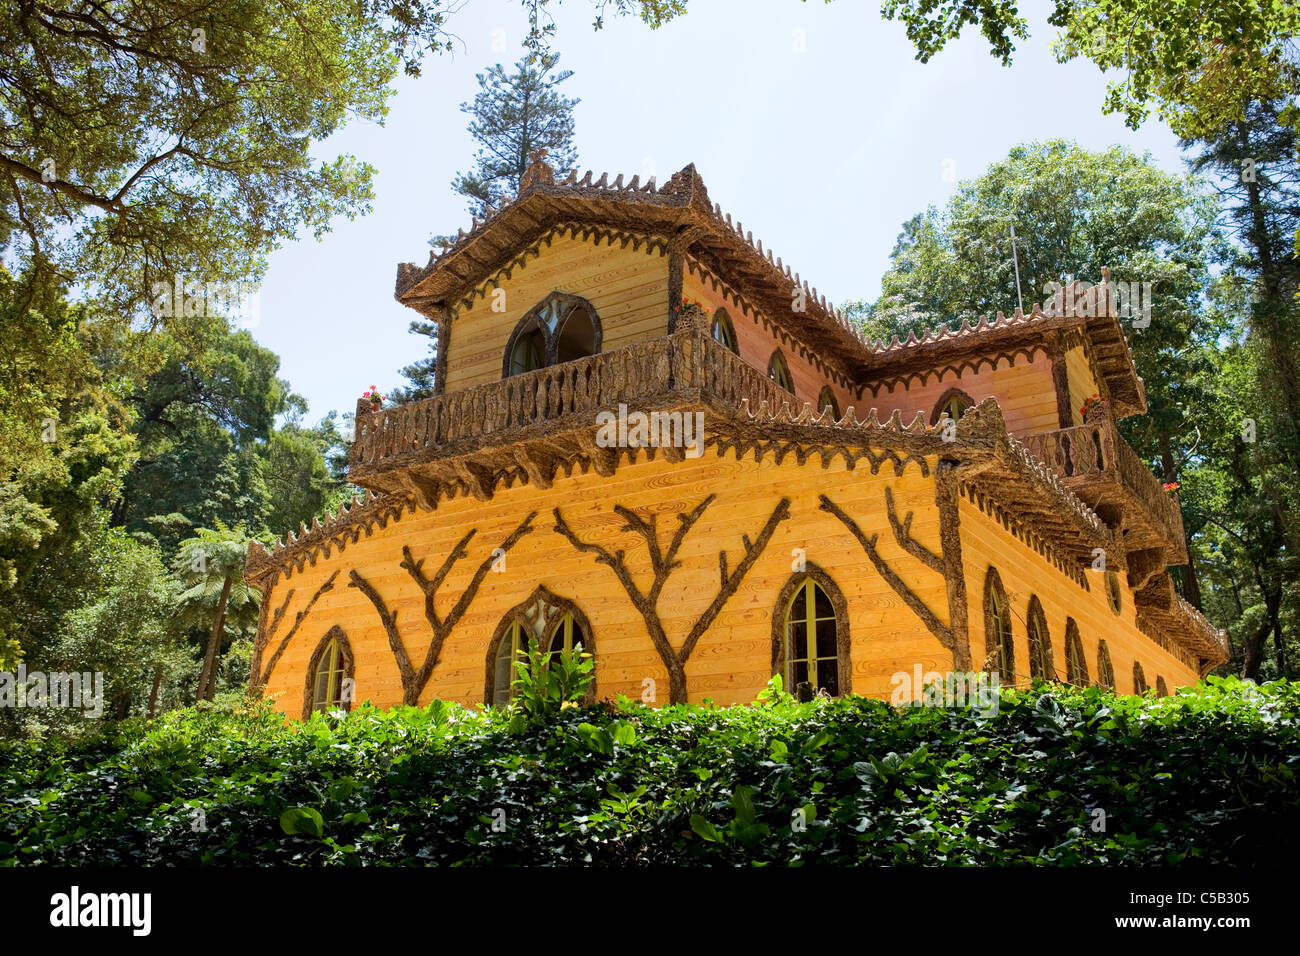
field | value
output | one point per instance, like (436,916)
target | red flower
(1170,486)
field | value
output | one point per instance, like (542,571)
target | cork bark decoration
(260,676)
(662,564)
(414,679)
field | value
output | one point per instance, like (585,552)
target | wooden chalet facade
(831,524)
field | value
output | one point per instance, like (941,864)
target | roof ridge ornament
(538,171)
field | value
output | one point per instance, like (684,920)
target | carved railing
(684,361)
(1097,451)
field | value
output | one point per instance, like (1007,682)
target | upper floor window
(1000,648)
(827,400)
(953,404)
(813,638)
(560,626)
(779,372)
(724,333)
(561,328)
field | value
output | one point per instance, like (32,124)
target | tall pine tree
(513,115)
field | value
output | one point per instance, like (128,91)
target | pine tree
(512,116)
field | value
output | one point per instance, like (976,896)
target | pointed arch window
(810,634)
(827,400)
(1040,643)
(560,328)
(953,403)
(724,333)
(1105,669)
(999,646)
(329,675)
(557,623)
(1139,679)
(1076,665)
(1162,689)
(779,372)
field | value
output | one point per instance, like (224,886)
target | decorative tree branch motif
(414,681)
(952,636)
(261,677)
(662,563)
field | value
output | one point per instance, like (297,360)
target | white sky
(823,154)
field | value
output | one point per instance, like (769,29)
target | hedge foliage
(1205,777)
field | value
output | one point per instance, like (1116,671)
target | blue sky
(823,152)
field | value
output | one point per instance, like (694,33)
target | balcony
(530,420)
(1102,469)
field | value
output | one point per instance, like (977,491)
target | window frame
(778,368)
(843,645)
(953,393)
(999,638)
(551,337)
(560,609)
(722,320)
(1140,685)
(1076,663)
(1105,667)
(827,399)
(1041,663)
(336,636)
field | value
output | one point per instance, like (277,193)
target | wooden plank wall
(1083,385)
(732,661)
(1025,391)
(757,342)
(628,287)
(1026,573)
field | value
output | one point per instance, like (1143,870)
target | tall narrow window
(559,625)
(724,333)
(1105,669)
(999,646)
(1139,679)
(812,643)
(779,372)
(827,401)
(329,675)
(560,328)
(1076,665)
(1162,689)
(1040,643)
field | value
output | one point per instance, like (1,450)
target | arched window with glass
(1105,669)
(826,400)
(560,328)
(1139,679)
(1041,665)
(1162,689)
(810,635)
(724,333)
(999,645)
(779,372)
(953,404)
(557,623)
(1076,665)
(329,675)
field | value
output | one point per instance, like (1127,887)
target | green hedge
(1208,776)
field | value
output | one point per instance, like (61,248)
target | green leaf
(704,829)
(302,821)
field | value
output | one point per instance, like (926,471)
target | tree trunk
(208,677)
(153,692)
(1255,643)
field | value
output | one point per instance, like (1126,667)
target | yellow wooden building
(651,437)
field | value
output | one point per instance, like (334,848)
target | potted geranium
(1094,409)
(372,396)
